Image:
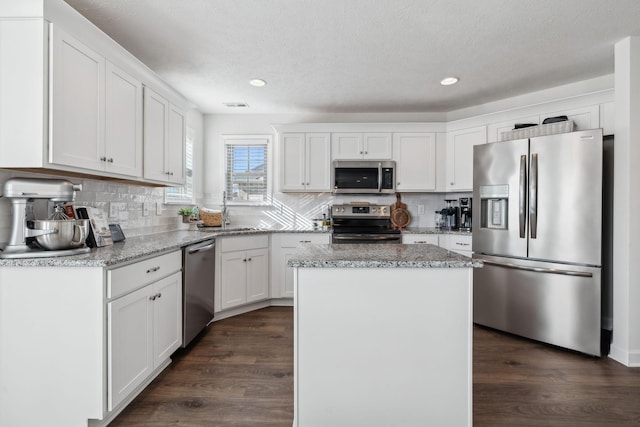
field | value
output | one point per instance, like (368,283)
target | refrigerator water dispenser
(494,206)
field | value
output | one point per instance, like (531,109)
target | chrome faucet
(225,211)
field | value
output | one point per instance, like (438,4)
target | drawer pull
(153,269)
(462,244)
(305,241)
(154,297)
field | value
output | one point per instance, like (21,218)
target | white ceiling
(365,56)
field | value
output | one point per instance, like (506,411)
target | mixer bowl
(68,234)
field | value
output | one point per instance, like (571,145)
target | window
(186,193)
(247,175)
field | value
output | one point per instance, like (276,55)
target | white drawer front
(243,243)
(457,243)
(420,239)
(130,277)
(295,239)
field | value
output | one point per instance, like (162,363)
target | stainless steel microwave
(363,176)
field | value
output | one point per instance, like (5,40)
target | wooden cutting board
(400,217)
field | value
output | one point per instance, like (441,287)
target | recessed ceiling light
(447,81)
(257,82)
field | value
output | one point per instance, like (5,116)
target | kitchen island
(383,336)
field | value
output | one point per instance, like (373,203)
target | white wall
(625,347)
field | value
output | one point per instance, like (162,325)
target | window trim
(249,139)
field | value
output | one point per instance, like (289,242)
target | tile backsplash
(100,194)
(290,210)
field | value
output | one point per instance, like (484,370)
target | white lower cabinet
(244,270)
(283,247)
(454,242)
(457,243)
(144,327)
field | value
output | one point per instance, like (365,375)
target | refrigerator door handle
(522,194)
(539,269)
(533,196)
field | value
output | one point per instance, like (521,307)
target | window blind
(246,175)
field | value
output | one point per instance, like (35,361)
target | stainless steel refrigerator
(537,226)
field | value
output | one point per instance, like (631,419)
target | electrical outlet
(146,207)
(420,209)
(159,208)
(113,210)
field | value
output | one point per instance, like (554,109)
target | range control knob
(383,210)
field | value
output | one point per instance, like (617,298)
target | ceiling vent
(236,104)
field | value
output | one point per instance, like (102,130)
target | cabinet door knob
(152,298)
(361,152)
(249,259)
(110,160)
(307,183)
(103,159)
(366,152)
(451,183)
(159,295)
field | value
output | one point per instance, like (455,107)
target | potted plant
(186,214)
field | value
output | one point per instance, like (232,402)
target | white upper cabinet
(164,139)
(176,145)
(415,157)
(77,96)
(460,157)
(123,123)
(356,146)
(82,96)
(305,162)
(96,110)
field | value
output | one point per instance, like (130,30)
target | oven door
(366,238)
(359,230)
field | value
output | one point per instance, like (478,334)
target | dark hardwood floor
(240,373)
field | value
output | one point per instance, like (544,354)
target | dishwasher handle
(208,247)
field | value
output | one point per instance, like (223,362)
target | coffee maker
(465,213)
(449,216)
(31,238)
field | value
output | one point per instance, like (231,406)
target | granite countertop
(379,256)
(141,246)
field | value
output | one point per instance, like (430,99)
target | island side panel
(52,346)
(383,346)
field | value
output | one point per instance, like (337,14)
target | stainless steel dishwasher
(197,288)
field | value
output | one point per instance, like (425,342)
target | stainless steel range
(363,223)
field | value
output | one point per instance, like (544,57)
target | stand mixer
(25,228)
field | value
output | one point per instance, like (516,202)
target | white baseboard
(627,358)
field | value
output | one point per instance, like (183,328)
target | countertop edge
(141,247)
